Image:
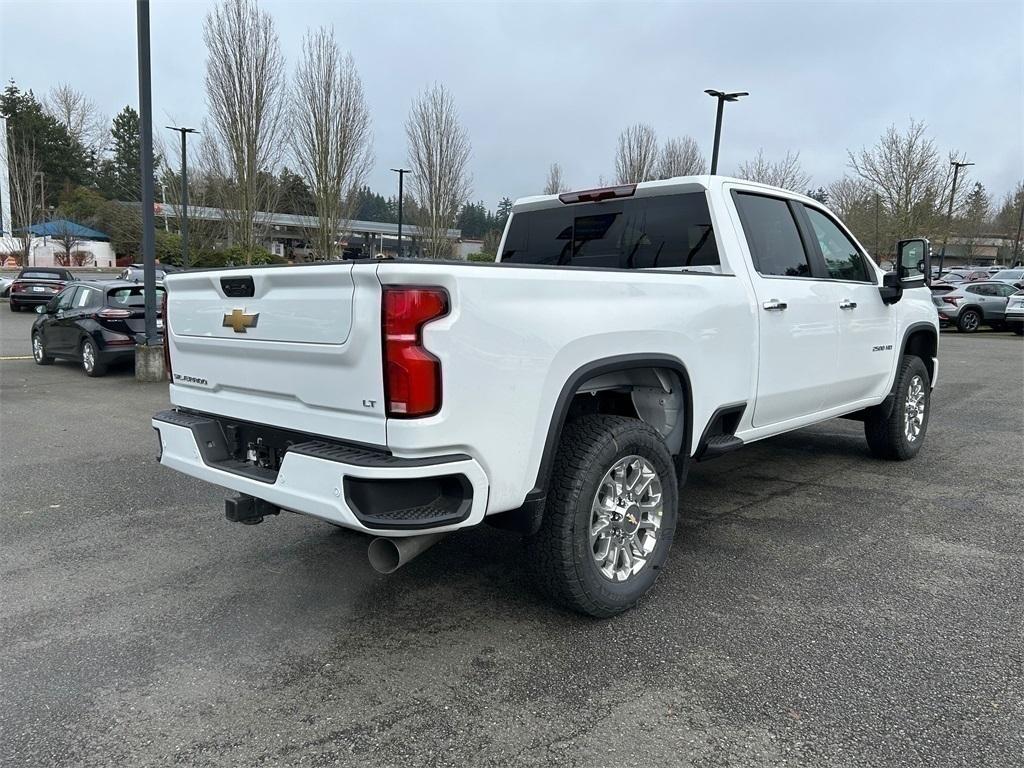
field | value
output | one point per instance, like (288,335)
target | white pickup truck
(561,392)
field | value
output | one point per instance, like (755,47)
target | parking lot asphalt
(820,607)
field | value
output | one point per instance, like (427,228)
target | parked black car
(37,285)
(96,323)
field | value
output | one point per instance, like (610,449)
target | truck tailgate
(296,347)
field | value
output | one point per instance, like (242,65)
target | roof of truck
(663,187)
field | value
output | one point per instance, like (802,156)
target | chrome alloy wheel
(913,409)
(625,518)
(88,357)
(37,348)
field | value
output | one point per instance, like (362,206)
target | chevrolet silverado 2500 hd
(562,391)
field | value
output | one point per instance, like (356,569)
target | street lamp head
(182,130)
(735,96)
(401,170)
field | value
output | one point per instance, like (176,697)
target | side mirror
(891,289)
(41,309)
(914,262)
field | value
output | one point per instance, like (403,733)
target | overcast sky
(544,82)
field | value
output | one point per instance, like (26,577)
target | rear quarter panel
(515,335)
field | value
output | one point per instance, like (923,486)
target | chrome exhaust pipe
(387,555)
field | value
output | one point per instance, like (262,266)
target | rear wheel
(610,516)
(39,351)
(899,434)
(1019,330)
(969,321)
(91,362)
(15,307)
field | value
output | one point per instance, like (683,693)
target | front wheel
(898,434)
(610,516)
(39,351)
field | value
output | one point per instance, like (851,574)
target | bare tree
(26,196)
(69,240)
(636,158)
(79,114)
(332,141)
(681,157)
(245,93)
(912,177)
(786,173)
(439,151)
(555,182)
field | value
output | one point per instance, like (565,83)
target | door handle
(847,304)
(774,305)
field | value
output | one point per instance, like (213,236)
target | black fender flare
(886,405)
(527,518)
(597,368)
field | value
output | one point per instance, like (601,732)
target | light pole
(401,175)
(957,165)
(184,190)
(722,98)
(149,360)
(1020,226)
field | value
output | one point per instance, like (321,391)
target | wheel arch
(921,340)
(527,518)
(603,367)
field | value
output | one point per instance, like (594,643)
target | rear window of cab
(664,231)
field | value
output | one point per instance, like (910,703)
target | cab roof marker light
(596,195)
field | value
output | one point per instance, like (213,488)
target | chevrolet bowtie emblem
(237,320)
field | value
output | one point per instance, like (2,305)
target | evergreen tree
(120,175)
(64,162)
(504,211)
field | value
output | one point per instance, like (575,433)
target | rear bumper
(341,485)
(32,298)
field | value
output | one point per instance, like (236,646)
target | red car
(37,285)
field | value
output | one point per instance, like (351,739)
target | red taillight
(412,376)
(951,299)
(114,314)
(17,287)
(167,332)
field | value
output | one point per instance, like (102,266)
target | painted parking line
(15,357)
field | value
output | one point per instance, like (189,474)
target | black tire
(39,352)
(15,307)
(561,554)
(968,321)
(97,366)
(1019,330)
(887,432)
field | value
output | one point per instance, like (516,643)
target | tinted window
(772,236)
(131,297)
(637,233)
(1005,290)
(980,290)
(82,297)
(41,275)
(65,297)
(842,258)
(1009,274)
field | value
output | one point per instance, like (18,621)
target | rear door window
(667,231)
(772,235)
(842,258)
